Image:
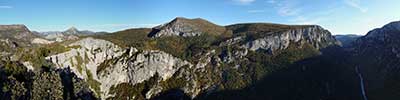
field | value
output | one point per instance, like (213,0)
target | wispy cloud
(6,7)
(297,13)
(287,8)
(356,4)
(306,20)
(244,2)
(256,11)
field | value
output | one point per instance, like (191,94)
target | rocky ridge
(317,36)
(187,27)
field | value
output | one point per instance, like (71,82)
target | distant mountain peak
(186,27)
(72,30)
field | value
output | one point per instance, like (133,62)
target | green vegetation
(5,47)
(260,65)
(185,47)
(47,85)
(79,63)
(104,65)
(299,72)
(182,47)
(13,68)
(175,81)
(127,90)
(128,38)
(15,88)
(93,83)
(36,56)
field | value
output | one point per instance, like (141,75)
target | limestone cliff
(129,65)
(314,35)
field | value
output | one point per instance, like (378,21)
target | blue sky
(338,16)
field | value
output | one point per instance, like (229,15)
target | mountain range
(69,34)
(197,59)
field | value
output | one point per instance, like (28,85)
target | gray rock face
(232,41)
(179,29)
(132,66)
(148,63)
(85,59)
(187,28)
(315,35)
(41,41)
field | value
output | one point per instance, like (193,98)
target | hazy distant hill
(346,40)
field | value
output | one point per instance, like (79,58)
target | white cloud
(302,20)
(296,12)
(356,4)
(6,7)
(244,2)
(256,11)
(287,8)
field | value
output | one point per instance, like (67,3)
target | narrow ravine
(361,83)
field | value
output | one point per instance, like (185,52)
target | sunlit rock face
(130,65)
(315,35)
(187,28)
(41,41)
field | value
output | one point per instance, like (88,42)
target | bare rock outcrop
(187,28)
